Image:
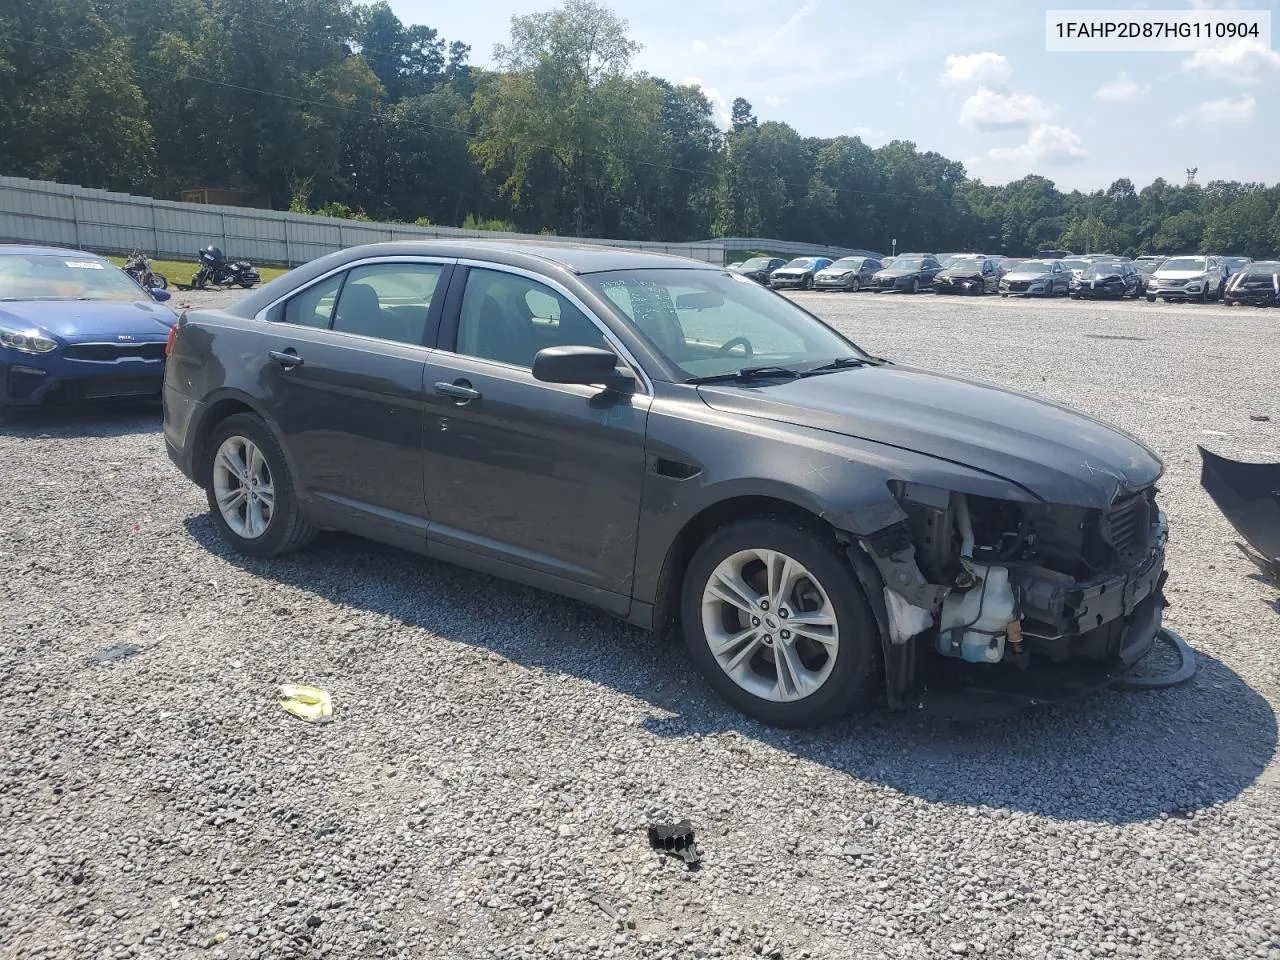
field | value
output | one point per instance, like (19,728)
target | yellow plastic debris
(307,703)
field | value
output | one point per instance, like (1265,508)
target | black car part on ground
(1248,494)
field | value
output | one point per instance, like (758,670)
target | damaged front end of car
(1006,601)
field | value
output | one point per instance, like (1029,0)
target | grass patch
(181,271)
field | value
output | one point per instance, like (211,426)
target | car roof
(20,250)
(536,256)
(577,258)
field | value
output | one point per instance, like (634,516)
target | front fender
(721,457)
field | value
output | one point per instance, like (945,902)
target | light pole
(894,252)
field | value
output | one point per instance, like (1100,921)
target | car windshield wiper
(841,363)
(748,373)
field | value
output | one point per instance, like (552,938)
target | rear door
(344,384)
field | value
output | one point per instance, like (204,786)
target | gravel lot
(497,753)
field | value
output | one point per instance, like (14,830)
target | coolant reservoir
(973,622)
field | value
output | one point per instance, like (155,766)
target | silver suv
(1188,278)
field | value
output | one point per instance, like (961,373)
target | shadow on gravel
(108,420)
(1114,758)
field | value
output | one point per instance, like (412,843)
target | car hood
(960,275)
(1058,454)
(792,271)
(898,272)
(1026,275)
(1108,275)
(835,271)
(1178,274)
(80,319)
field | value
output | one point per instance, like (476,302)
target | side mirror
(584,365)
(158,295)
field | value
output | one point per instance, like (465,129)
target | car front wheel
(777,622)
(251,494)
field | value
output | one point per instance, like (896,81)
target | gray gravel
(496,753)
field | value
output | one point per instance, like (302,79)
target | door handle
(286,358)
(461,391)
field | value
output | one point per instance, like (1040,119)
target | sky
(969,79)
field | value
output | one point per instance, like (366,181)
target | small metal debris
(607,907)
(676,839)
(1259,417)
(116,653)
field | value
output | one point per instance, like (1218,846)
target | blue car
(73,326)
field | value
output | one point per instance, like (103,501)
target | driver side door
(537,482)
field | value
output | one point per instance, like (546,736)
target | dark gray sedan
(678,446)
(847,273)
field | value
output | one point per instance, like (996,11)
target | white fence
(37,211)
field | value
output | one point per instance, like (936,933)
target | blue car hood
(87,319)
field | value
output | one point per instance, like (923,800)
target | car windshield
(1145,266)
(59,277)
(847,263)
(710,324)
(1183,263)
(1103,268)
(908,264)
(801,262)
(1263,267)
(1074,264)
(972,264)
(1035,266)
(755,263)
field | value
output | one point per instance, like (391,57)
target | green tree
(1242,226)
(565,92)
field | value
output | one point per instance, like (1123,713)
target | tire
(855,285)
(160,281)
(1075,296)
(1151,299)
(807,284)
(915,285)
(286,529)
(845,680)
(1204,294)
(1005,295)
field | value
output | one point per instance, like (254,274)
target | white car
(1188,278)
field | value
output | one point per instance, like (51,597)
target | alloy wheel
(243,487)
(770,625)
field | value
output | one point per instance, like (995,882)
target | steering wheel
(730,344)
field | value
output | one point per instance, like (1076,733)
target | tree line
(339,107)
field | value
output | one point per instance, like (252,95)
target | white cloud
(1225,110)
(772,101)
(1242,61)
(719,105)
(979,68)
(988,110)
(1047,144)
(699,45)
(867,133)
(1121,90)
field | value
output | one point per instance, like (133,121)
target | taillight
(168,344)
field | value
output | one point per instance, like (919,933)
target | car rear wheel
(1151,299)
(807,283)
(250,491)
(779,625)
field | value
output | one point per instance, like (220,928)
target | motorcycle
(138,266)
(217,271)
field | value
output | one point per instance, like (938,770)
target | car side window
(313,307)
(509,318)
(390,301)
